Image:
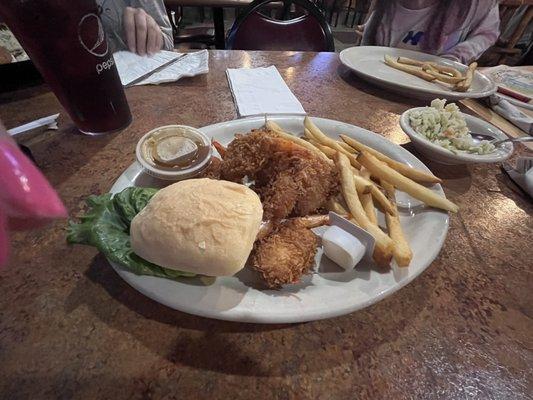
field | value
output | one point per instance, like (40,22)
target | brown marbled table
(71,328)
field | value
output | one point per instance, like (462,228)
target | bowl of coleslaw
(441,132)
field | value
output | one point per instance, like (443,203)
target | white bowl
(439,154)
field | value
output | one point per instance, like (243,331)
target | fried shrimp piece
(285,255)
(213,170)
(291,180)
(296,185)
(246,155)
(279,195)
(317,182)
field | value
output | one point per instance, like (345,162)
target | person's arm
(482,36)
(365,37)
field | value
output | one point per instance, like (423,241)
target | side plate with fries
(413,237)
(416,74)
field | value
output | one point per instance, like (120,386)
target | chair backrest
(254,31)
(515,16)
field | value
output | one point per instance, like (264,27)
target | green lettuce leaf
(131,201)
(106,226)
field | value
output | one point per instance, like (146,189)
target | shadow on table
(239,348)
(102,274)
(24,93)
(457,178)
(514,192)
(348,76)
(60,154)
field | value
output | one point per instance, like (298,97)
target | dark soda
(66,41)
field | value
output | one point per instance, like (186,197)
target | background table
(71,328)
(217,7)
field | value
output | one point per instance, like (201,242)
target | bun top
(202,226)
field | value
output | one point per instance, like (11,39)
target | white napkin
(130,66)
(260,91)
(511,113)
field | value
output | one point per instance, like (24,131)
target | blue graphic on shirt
(413,38)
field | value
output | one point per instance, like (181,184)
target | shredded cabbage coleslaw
(444,125)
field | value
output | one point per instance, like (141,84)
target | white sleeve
(365,38)
(157,10)
(479,39)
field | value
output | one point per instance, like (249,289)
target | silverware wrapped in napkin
(522,174)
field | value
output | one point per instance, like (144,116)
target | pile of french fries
(360,167)
(431,71)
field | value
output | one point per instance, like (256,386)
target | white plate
(438,153)
(367,62)
(329,291)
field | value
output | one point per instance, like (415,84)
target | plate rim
(401,87)
(245,316)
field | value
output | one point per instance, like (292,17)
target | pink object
(4,244)
(26,198)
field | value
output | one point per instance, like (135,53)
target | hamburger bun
(202,226)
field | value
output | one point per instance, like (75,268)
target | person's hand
(143,35)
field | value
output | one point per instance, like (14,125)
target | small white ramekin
(174,175)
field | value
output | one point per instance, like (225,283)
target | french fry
(465,85)
(401,251)
(279,131)
(309,136)
(362,185)
(381,200)
(433,70)
(273,126)
(346,147)
(448,70)
(382,171)
(328,150)
(410,61)
(376,193)
(318,145)
(439,72)
(412,173)
(338,206)
(384,244)
(327,141)
(410,69)
(367,202)
(441,68)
